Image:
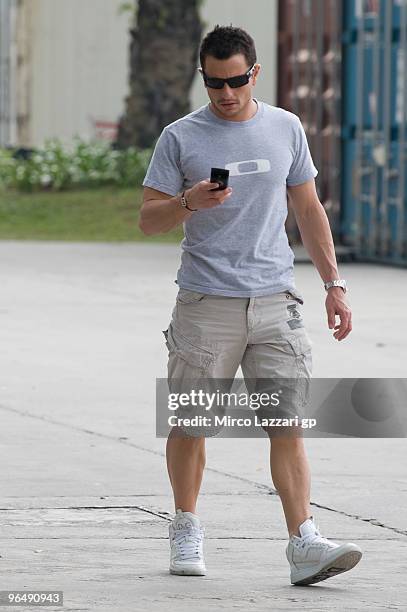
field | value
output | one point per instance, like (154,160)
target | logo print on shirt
(249,166)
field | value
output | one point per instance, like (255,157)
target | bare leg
(185,462)
(291,477)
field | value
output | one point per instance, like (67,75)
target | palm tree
(164,51)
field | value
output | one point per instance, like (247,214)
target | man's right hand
(204,195)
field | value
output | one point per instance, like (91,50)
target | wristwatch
(184,202)
(336,283)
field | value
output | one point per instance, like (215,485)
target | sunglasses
(236,81)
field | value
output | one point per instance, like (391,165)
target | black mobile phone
(221,176)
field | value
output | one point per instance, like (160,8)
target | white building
(64,64)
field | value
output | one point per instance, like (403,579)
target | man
(236,283)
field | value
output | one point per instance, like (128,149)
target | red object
(105,130)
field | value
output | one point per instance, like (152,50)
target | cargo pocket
(189,370)
(301,346)
(186,357)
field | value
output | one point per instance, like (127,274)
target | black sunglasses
(236,81)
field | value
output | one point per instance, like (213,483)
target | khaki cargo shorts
(210,336)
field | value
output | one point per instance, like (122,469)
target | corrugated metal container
(374,196)
(309,76)
(374,150)
(370,10)
(373,65)
(343,71)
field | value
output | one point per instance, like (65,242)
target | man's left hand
(336,305)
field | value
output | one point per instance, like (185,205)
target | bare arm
(161,212)
(317,239)
(314,228)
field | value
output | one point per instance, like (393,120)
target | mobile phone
(221,176)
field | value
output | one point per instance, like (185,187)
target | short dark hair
(225,41)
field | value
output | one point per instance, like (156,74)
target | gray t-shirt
(239,248)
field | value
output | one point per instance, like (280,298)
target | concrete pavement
(85,498)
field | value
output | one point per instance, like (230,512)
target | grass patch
(106,215)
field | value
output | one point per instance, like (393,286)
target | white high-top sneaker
(186,538)
(313,558)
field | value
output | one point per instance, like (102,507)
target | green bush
(85,165)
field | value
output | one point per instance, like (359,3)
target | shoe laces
(316,539)
(188,543)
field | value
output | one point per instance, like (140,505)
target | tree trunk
(164,52)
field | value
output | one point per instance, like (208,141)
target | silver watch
(336,283)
